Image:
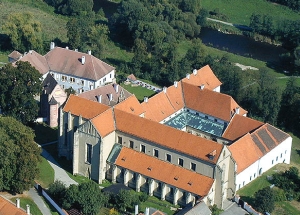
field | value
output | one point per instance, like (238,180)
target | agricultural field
(239,12)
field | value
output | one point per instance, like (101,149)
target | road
(241,27)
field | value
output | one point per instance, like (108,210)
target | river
(241,45)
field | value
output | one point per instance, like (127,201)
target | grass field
(46,176)
(28,201)
(138,91)
(53,25)
(239,12)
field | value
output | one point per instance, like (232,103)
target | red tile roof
(167,136)
(131,77)
(107,127)
(248,149)
(239,126)
(36,60)
(69,62)
(164,104)
(209,102)
(130,105)
(173,175)
(204,76)
(8,208)
(83,107)
(245,152)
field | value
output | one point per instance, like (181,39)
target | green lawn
(239,12)
(28,201)
(3,57)
(154,202)
(138,91)
(46,176)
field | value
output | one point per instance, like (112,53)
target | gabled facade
(190,130)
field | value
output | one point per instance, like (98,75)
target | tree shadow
(5,44)
(248,199)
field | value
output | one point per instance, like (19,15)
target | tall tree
(264,200)
(18,86)
(19,156)
(24,31)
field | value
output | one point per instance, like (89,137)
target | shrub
(57,190)
(279,195)
(143,197)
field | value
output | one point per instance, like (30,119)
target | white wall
(280,154)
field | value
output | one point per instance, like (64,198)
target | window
(239,186)
(109,75)
(243,183)
(72,80)
(193,166)
(64,78)
(180,161)
(104,80)
(66,133)
(89,148)
(285,152)
(155,153)
(277,158)
(82,82)
(159,186)
(272,161)
(215,120)
(254,175)
(206,117)
(143,148)
(250,178)
(168,157)
(119,139)
(134,176)
(171,190)
(281,155)
(131,143)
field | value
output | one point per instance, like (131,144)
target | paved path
(39,201)
(59,173)
(242,27)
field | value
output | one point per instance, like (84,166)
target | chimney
(83,60)
(145,99)
(188,76)
(147,211)
(110,97)
(202,86)
(165,89)
(76,50)
(99,98)
(18,203)
(28,209)
(52,45)
(237,110)
(195,71)
(89,52)
(136,210)
(67,47)
(175,84)
(116,86)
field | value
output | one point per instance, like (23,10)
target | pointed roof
(248,149)
(174,175)
(245,152)
(15,55)
(70,62)
(83,107)
(53,101)
(36,60)
(49,83)
(130,105)
(204,76)
(104,122)
(164,104)
(239,126)
(212,103)
(167,136)
(105,91)
(131,77)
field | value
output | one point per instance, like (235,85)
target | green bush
(143,197)
(279,195)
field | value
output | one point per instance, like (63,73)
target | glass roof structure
(114,153)
(197,122)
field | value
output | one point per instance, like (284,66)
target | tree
(18,86)
(57,190)
(24,32)
(125,200)
(264,200)
(90,198)
(19,156)
(76,7)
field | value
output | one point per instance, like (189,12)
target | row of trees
(72,7)
(293,4)
(88,198)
